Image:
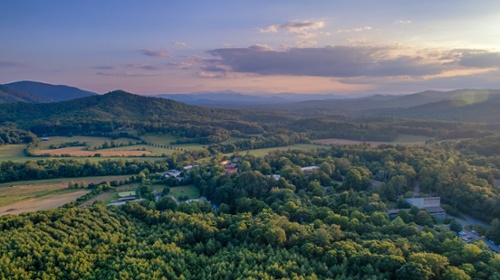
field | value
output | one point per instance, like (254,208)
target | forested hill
(8,95)
(119,109)
(451,110)
(468,105)
(51,93)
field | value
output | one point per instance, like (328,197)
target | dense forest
(272,219)
(330,222)
(118,113)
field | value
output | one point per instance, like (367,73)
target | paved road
(474,237)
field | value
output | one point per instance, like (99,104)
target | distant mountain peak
(52,93)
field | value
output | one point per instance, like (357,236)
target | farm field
(90,141)
(402,139)
(13,152)
(63,182)
(42,203)
(28,196)
(264,151)
(78,152)
(167,139)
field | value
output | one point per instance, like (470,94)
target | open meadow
(42,203)
(167,139)
(265,151)
(27,196)
(402,139)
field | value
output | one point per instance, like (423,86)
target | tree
(436,263)
(166,203)
(494,231)
(357,178)
(455,273)
(413,271)
(455,226)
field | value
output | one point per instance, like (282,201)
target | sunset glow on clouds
(355,47)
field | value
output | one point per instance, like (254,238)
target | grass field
(14,192)
(44,202)
(263,152)
(10,195)
(89,141)
(190,191)
(13,152)
(63,182)
(166,139)
(402,139)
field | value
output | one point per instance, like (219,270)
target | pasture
(401,139)
(265,151)
(90,141)
(13,152)
(34,195)
(167,139)
(44,202)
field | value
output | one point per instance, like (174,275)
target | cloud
(300,28)
(181,45)
(125,74)
(402,22)
(143,66)
(10,64)
(336,61)
(479,59)
(104,67)
(154,53)
(357,29)
(128,70)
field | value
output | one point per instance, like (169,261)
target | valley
(307,185)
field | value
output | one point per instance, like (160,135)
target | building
(309,168)
(431,204)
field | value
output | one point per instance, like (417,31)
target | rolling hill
(119,110)
(52,93)
(8,95)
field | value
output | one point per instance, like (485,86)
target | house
(45,139)
(172,173)
(188,167)
(431,204)
(309,168)
(230,169)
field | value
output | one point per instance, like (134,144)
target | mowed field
(13,152)
(167,139)
(41,203)
(402,139)
(140,152)
(265,151)
(78,152)
(26,196)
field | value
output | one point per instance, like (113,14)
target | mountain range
(473,105)
(37,92)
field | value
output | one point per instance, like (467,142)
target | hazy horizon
(353,48)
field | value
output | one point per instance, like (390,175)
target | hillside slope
(52,93)
(8,95)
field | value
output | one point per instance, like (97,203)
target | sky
(259,46)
